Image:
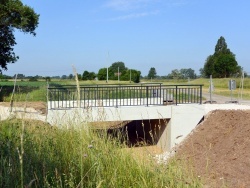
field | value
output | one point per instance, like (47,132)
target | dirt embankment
(219,149)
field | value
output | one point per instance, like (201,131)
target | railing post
(200,94)
(161,101)
(116,95)
(147,94)
(58,93)
(176,90)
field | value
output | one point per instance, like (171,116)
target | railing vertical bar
(200,94)
(183,95)
(130,95)
(159,96)
(176,94)
(147,94)
(191,94)
(197,95)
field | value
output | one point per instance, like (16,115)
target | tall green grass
(54,157)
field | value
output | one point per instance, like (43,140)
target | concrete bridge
(169,124)
(161,115)
(148,113)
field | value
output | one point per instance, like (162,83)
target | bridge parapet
(123,95)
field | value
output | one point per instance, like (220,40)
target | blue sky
(165,34)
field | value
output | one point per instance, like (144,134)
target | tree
(188,73)
(225,66)
(19,76)
(79,76)
(64,77)
(71,76)
(152,73)
(14,15)
(135,76)
(124,72)
(85,75)
(222,63)
(92,76)
(175,74)
(102,74)
(88,75)
(113,70)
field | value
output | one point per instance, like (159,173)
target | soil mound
(219,149)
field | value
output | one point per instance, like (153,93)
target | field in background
(37,91)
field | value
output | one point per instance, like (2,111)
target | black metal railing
(123,95)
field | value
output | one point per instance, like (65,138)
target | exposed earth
(219,149)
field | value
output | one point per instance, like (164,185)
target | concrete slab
(60,117)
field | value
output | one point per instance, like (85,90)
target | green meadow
(38,89)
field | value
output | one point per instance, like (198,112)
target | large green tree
(14,15)
(152,73)
(222,63)
(187,73)
(124,72)
(88,75)
(114,68)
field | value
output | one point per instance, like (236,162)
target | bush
(33,79)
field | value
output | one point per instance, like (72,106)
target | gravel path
(219,99)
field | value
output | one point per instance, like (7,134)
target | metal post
(176,90)
(200,94)
(210,89)
(147,94)
(116,96)
(231,90)
(160,96)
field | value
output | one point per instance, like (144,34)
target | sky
(164,34)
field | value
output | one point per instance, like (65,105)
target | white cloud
(140,8)
(123,5)
(133,15)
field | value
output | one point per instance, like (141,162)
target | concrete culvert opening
(138,133)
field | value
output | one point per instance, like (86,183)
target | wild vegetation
(35,154)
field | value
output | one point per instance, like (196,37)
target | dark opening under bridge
(149,94)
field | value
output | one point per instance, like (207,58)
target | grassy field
(34,154)
(40,91)
(221,87)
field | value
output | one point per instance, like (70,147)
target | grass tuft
(54,157)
